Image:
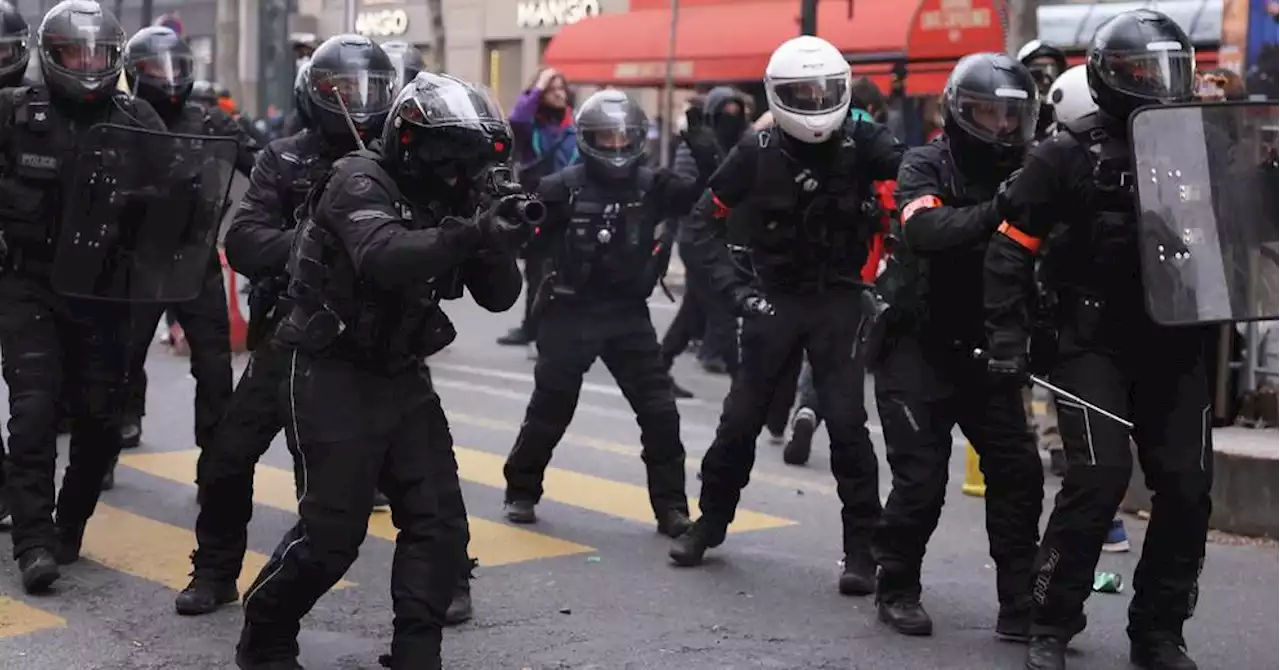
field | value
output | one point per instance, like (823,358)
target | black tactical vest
(610,248)
(335,312)
(1103,256)
(805,225)
(41,148)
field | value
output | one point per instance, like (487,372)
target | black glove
(705,149)
(750,303)
(1009,371)
(500,233)
(1004,205)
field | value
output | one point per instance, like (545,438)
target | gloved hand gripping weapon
(508,213)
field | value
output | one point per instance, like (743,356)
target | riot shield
(1207,206)
(140,214)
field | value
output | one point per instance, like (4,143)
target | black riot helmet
(613,134)
(990,105)
(351,83)
(1140,57)
(407,59)
(1045,61)
(81,48)
(302,101)
(443,132)
(158,66)
(724,111)
(14,46)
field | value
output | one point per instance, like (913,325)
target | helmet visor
(817,95)
(165,70)
(360,94)
(450,104)
(1164,72)
(618,141)
(85,56)
(13,52)
(1006,118)
(1045,70)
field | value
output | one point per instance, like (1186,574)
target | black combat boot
(898,604)
(1047,652)
(460,610)
(797,450)
(520,511)
(1014,623)
(130,432)
(70,538)
(39,570)
(380,501)
(204,595)
(674,522)
(1160,651)
(859,575)
(688,549)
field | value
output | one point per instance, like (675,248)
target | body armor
(807,227)
(332,311)
(610,248)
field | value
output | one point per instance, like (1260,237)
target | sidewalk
(1245,500)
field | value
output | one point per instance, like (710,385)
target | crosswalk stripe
(491,543)
(19,618)
(152,550)
(607,496)
(693,461)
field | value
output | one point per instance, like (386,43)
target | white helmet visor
(811,95)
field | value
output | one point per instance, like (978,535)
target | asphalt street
(589,586)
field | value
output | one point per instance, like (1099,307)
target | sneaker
(516,337)
(380,502)
(1117,540)
(802,429)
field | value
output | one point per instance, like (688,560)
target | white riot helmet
(1070,95)
(807,82)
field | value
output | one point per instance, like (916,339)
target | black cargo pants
(570,338)
(205,322)
(923,389)
(353,431)
(825,326)
(1116,358)
(49,343)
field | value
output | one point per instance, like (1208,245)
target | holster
(1042,354)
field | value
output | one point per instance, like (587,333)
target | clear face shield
(166,71)
(85,57)
(13,52)
(362,95)
(1163,72)
(818,95)
(1005,118)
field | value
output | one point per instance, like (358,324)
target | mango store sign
(553,13)
(383,23)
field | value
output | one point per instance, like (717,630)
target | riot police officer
(927,380)
(1046,63)
(13,64)
(388,237)
(407,60)
(604,256)
(298,120)
(47,340)
(158,68)
(794,191)
(1108,352)
(257,246)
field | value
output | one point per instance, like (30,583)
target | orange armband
(923,202)
(1024,240)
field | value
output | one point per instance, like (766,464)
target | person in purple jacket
(545,142)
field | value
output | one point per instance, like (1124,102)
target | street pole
(349,18)
(1023,24)
(669,90)
(808,17)
(147,11)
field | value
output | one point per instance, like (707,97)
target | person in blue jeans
(545,142)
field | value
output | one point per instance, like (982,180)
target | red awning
(719,42)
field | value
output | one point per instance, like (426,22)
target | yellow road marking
(693,463)
(607,496)
(152,550)
(491,543)
(19,618)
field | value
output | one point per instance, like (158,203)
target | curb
(1244,494)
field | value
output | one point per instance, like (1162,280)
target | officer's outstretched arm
(883,151)
(494,280)
(928,224)
(706,237)
(256,243)
(360,212)
(1035,205)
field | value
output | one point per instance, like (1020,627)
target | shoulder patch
(359,184)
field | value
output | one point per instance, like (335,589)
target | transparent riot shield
(1207,206)
(140,214)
